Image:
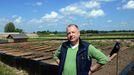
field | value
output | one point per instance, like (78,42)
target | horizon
(101,15)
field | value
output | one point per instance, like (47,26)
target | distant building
(29,35)
(4,35)
(17,38)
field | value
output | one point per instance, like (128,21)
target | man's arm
(56,55)
(111,56)
(96,67)
(99,56)
(57,61)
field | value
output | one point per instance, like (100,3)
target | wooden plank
(24,54)
(43,58)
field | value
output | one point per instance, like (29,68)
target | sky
(55,15)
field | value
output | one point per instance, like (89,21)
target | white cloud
(129,5)
(53,14)
(40,27)
(118,8)
(18,20)
(105,0)
(34,22)
(95,13)
(86,9)
(14,16)
(15,19)
(85,24)
(38,3)
(47,18)
(52,17)
(91,4)
(3,21)
(109,21)
(72,10)
(123,23)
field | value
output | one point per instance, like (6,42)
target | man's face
(73,34)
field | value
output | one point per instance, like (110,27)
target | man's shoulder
(65,44)
(85,42)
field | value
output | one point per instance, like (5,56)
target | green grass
(100,43)
(6,70)
(3,40)
(45,38)
(107,37)
(83,37)
(16,46)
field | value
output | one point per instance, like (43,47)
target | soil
(125,56)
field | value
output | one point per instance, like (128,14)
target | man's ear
(79,33)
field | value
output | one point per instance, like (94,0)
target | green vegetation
(49,33)
(6,70)
(108,37)
(10,27)
(46,38)
(37,44)
(87,35)
(83,37)
(100,43)
(18,30)
(105,32)
(3,40)
(85,32)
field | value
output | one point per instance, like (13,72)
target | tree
(55,32)
(18,30)
(9,27)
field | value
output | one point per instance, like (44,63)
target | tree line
(84,32)
(10,27)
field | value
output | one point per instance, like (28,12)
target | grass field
(7,70)
(83,37)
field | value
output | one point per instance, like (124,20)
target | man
(74,56)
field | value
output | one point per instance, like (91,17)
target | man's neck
(74,46)
(75,43)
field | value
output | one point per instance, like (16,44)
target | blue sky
(55,15)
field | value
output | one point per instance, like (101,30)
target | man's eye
(73,32)
(68,33)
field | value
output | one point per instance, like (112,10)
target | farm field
(43,51)
(39,51)
(121,35)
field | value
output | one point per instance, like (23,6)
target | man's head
(73,33)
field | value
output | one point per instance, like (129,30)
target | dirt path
(125,57)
